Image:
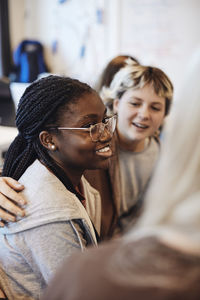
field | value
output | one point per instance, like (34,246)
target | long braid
(40,105)
(22,152)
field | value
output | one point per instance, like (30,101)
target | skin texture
(140,107)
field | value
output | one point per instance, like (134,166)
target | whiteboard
(163,33)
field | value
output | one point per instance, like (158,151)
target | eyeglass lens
(98,129)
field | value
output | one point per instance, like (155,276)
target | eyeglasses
(96,131)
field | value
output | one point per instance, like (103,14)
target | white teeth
(104,149)
(141,125)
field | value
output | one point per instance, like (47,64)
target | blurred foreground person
(160,257)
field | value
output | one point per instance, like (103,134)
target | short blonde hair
(135,76)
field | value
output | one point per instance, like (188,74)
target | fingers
(11,208)
(6,217)
(12,183)
(9,200)
(7,189)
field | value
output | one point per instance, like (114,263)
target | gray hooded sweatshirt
(56,224)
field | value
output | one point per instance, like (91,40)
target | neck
(129,145)
(72,174)
(74,177)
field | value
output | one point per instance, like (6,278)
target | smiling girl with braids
(63,130)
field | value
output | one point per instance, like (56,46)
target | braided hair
(41,104)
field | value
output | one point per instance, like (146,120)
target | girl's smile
(104,152)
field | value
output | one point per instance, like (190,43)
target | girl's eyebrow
(137,98)
(157,102)
(141,100)
(92,116)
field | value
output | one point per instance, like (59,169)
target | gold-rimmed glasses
(97,130)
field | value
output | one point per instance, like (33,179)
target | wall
(81,36)
(16,21)
(161,33)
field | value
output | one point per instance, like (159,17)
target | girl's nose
(144,113)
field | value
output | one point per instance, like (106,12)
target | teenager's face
(140,113)
(75,149)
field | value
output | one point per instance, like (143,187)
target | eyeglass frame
(89,129)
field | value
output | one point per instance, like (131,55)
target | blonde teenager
(141,97)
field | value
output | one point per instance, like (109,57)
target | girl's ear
(46,139)
(115,105)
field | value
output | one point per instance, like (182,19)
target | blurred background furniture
(7,118)
(7,135)
(7,106)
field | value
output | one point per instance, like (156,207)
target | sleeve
(47,246)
